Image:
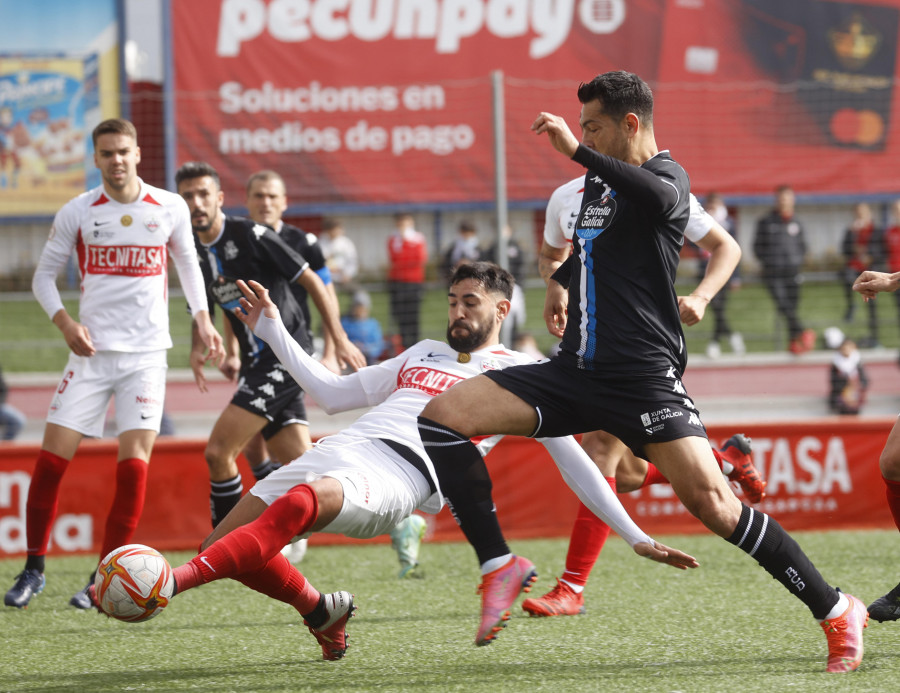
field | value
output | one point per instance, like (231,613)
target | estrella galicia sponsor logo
(226,292)
(597,215)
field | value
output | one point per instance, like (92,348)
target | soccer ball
(134,583)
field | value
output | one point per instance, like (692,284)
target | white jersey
(122,252)
(398,390)
(565,203)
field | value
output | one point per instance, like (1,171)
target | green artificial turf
(726,626)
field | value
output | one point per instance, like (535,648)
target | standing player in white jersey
(123,231)
(623,470)
(365,479)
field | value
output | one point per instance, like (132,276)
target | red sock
(892,491)
(589,534)
(280,580)
(43,500)
(128,503)
(654,476)
(251,548)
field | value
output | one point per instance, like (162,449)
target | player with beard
(364,480)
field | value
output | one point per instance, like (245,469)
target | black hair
(620,93)
(492,277)
(196,169)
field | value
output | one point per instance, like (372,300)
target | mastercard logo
(860,127)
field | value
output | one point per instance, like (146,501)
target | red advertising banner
(821,476)
(389,101)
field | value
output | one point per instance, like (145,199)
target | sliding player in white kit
(123,232)
(367,478)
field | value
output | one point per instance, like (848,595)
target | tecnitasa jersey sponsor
(401,387)
(122,252)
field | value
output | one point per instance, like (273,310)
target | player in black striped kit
(613,302)
(267,399)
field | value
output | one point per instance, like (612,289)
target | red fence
(822,475)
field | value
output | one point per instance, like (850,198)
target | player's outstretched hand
(256,302)
(348,354)
(558,131)
(871,283)
(663,554)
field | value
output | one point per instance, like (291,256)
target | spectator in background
(780,247)
(340,254)
(362,329)
(11,419)
(515,264)
(847,377)
(463,249)
(716,208)
(862,248)
(407,257)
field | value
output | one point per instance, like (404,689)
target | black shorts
(267,389)
(637,408)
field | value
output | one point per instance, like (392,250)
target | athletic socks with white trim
(265,468)
(775,550)
(223,496)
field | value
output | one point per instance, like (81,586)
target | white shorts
(138,381)
(380,487)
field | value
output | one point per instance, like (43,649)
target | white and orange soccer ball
(134,583)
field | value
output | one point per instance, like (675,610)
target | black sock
(466,486)
(35,563)
(223,496)
(264,469)
(317,616)
(775,550)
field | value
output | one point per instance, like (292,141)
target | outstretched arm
(871,283)
(583,477)
(332,392)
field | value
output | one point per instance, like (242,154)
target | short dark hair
(196,169)
(620,93)
(114,126)
(265,176)
(492,277)
(467,226)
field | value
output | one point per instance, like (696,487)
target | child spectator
(362,329)
(848,379)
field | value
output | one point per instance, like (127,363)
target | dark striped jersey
(307,246)
(623,309)
(246,250)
